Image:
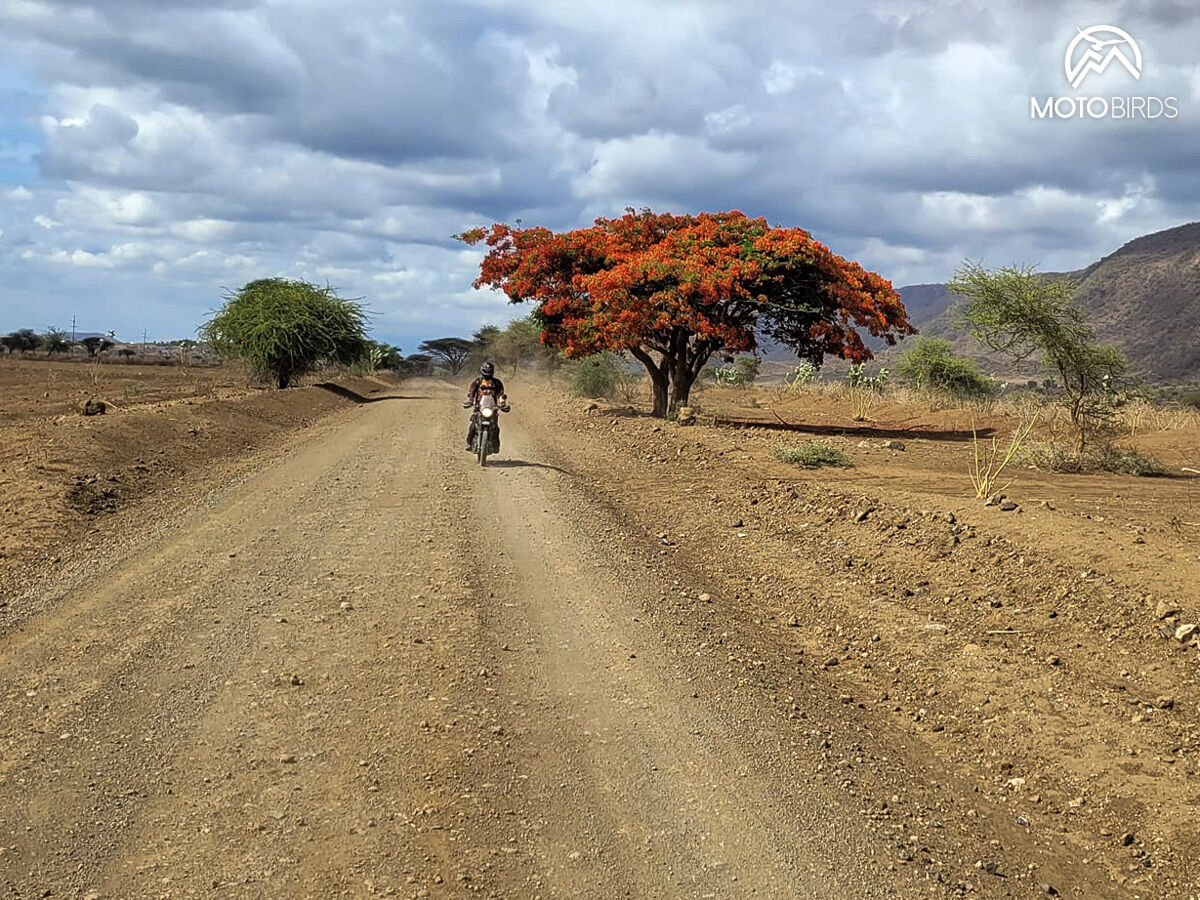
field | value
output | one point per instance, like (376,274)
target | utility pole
(72,329)
(143,338)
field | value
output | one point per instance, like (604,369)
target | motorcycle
(486,420)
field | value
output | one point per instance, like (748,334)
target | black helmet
(487,370)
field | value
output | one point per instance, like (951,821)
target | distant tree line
(52,341)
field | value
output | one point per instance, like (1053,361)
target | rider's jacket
(481,386)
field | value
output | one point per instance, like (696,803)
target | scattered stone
(793,621)
(1185,633)
(345,604)
(1127,839)
(95,408)
(994,500)
(1165,610)
(893,445)
(1022,821)
(686,416)
(1165,702)
(864,515)
(738,524)
(288,758)
(864,445)
(705,598)
(591,406)
(1053,660)
(832,661)
(1008,506)
(1047,889)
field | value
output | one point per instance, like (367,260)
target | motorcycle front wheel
(483,438)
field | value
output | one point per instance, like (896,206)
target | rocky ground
(626,659)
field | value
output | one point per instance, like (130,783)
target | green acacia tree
(96,345)
(451,352)
(55,341)
(284,328)
(1019,312)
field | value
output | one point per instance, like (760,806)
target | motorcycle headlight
(486,413)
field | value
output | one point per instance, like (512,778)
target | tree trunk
(658,383)
(658,380)
(689,362)
(681,386)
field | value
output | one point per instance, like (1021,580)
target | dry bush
(1143,415)
(989,460)
(1022,405)
(632,388)
(813,454)
(1065,459)
(862,401)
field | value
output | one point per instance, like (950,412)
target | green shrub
(932,366)
(742,372)
(804,374)
(378,356)
(285,328)
(747,367)
(600,375)
(813,454)
(727,376)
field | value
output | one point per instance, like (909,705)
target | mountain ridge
(1144,297)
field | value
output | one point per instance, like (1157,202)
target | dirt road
(626,659)
(371,667)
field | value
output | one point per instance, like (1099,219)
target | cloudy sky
(154,152)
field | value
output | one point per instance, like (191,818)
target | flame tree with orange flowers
(675,290)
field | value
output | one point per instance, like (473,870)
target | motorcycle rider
(486,383)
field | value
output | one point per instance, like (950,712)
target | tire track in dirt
(673,804)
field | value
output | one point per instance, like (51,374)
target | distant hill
(1144,297)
